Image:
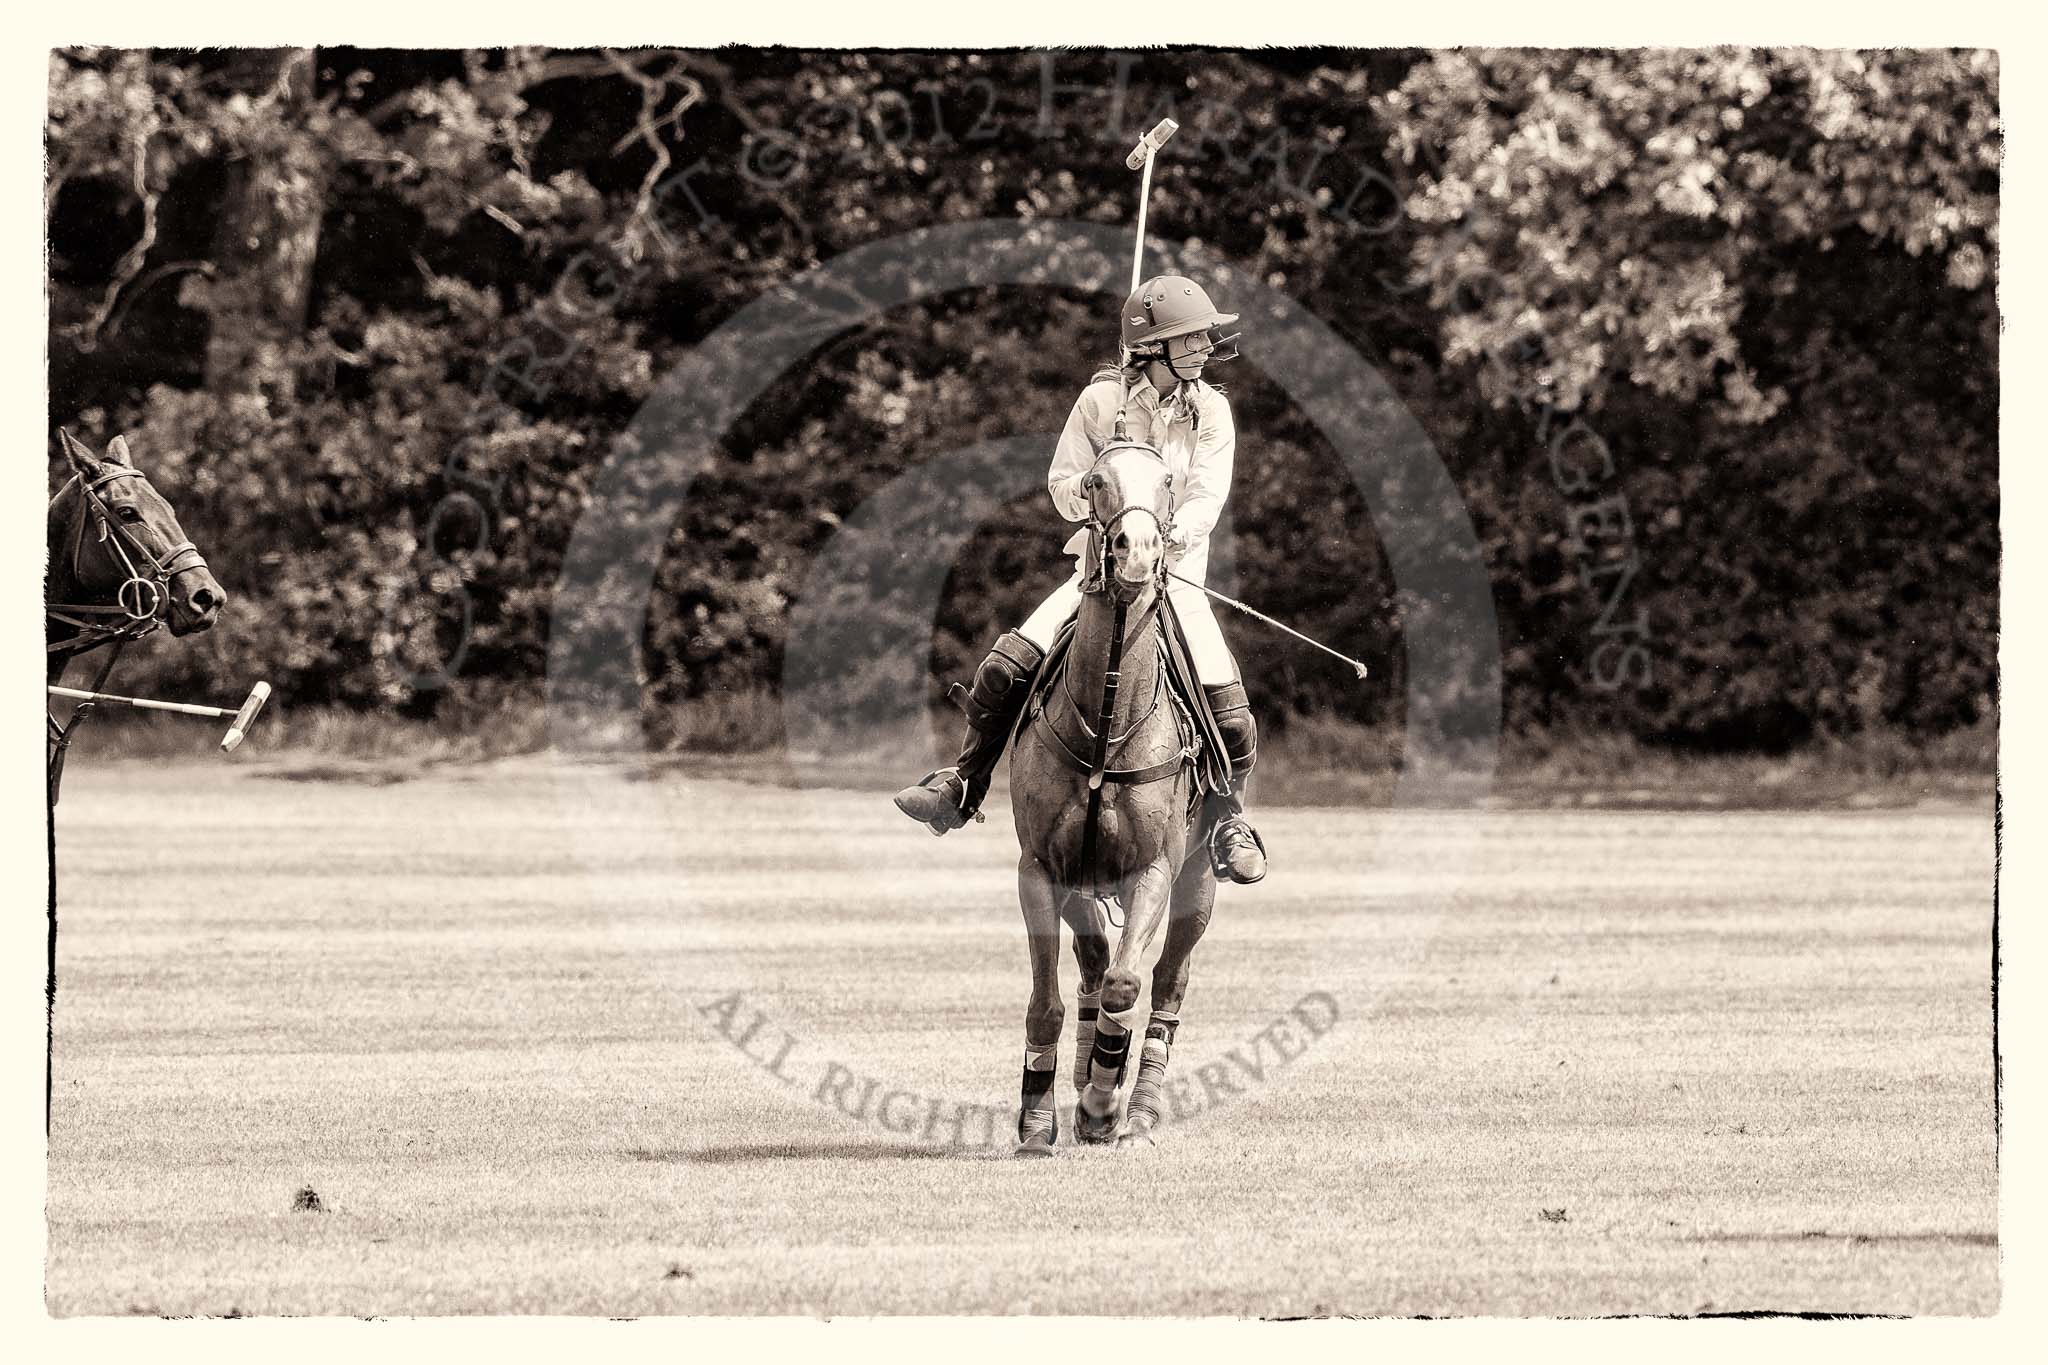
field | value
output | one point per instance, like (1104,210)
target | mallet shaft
(1258,615)
(144,703)
(1138,253)
(1141,158)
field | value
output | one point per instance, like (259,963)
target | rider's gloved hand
(1176,542)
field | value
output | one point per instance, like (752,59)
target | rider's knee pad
(1233,712)
(1000,681)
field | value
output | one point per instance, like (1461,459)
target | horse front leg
(1038,1125)
(1194,898)
(1147,898)
(1091,957)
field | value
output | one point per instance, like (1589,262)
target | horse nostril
(206,599)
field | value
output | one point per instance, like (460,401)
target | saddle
(1202,742)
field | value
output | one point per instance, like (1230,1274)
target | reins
(1100,737)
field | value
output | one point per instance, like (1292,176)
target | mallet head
(245,717)
(1151,142)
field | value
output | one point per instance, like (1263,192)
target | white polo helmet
(1169,306)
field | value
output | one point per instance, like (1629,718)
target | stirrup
(1231,835)
(950,814)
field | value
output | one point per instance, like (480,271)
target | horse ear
(117,451)
(81,459)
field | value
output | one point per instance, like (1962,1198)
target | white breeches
(1210,655)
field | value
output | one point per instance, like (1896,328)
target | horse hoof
(1137,1137)
(1092,1130)
(1037,1132)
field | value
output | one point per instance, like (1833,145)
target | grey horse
(1145,852)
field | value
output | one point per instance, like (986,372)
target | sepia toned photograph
(1185,681)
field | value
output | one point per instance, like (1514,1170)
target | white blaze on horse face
(1137,548)
(1138,480)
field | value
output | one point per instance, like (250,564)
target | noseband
(141,600)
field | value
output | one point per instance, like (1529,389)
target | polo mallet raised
(1141,156)
(243,718)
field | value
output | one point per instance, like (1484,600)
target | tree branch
(86,335)
(647,131)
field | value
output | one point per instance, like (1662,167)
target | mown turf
(1585,1062)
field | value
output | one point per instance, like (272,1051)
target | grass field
(1584,1062)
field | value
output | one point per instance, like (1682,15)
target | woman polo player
(1169,336)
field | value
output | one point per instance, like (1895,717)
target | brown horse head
(120,544)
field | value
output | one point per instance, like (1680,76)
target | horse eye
(128,513)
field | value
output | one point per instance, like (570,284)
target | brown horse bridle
(142,598)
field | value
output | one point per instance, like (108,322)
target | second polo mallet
(243,718)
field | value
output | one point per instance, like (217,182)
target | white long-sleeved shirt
(1199,453)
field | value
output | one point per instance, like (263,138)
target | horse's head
(122,544)
(1130,499)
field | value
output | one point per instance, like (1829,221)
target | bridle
(1101,533)
(140,602)
(138,607)
(1100,582)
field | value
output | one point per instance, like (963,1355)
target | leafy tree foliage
(1706,339)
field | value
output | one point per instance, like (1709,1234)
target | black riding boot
(950,797)
(1235,849)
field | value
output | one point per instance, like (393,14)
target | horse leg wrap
(1001,685)
(1037,1121)
(1089,1005)
(1124,1020)
(1146,1090)
(1107,1059)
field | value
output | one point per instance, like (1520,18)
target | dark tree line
(1706,339)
